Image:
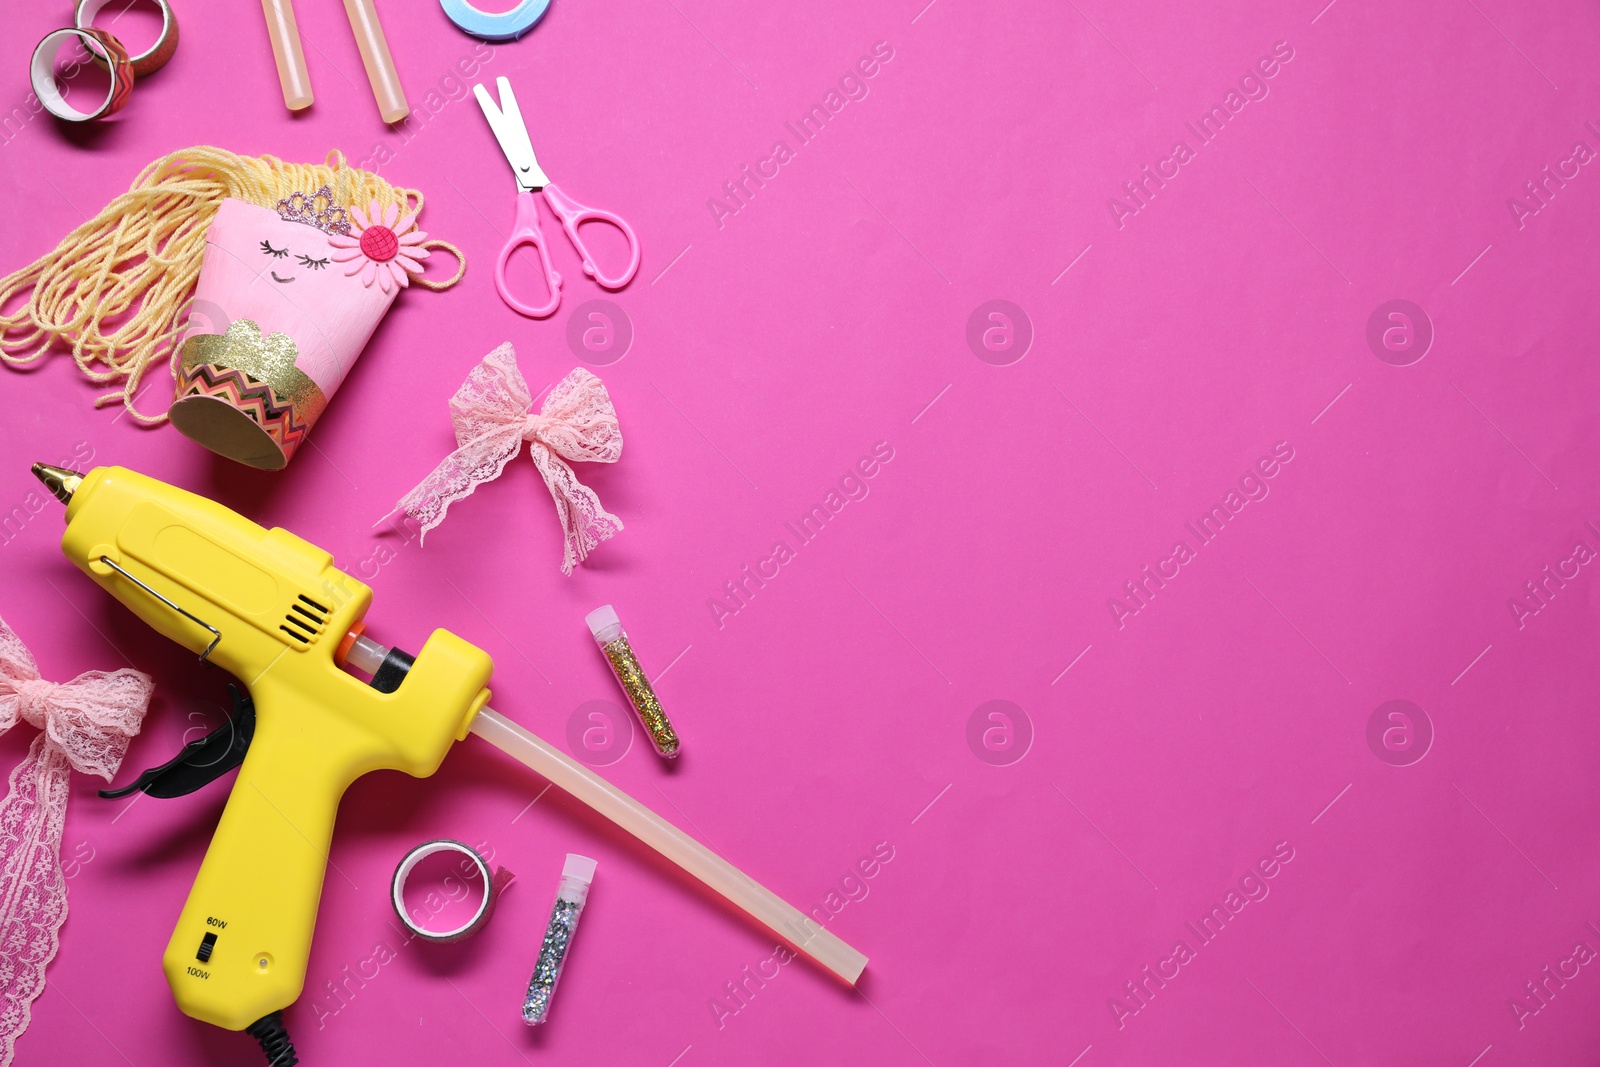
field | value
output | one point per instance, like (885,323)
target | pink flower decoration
(383,245)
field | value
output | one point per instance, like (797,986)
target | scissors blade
(505,119)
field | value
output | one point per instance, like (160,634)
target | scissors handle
(525,231)
(572,214)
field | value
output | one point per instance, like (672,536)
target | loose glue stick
(374,48)
(285,37)
(570,898)
(607,630)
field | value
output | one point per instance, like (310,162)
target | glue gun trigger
(203,761)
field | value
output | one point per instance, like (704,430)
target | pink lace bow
(493,415)
(84,725)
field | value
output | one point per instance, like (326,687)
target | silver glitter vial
(575,878)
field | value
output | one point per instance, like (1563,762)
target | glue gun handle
(240,947)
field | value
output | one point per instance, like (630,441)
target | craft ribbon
(493,414)
(84,725)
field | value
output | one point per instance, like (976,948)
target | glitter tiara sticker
(266,282)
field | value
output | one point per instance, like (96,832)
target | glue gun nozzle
(59,480)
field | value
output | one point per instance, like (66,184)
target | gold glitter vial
(608,634)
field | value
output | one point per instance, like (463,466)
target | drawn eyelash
(277,253)
(314,264)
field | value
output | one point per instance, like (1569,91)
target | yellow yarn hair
(116,288)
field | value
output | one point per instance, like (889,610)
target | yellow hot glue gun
(272,610)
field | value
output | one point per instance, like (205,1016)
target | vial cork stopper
(579,868)
(604,624)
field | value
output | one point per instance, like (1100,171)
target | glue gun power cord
(274,1038)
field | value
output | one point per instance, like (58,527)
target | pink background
(1159,760)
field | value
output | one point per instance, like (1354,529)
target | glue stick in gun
(272,610)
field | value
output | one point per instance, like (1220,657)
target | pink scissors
(506,122)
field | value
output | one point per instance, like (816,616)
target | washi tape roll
(495,25)
(493,884)
(151,59)
(105,50)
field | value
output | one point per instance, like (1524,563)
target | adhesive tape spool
(493,884)
(103,49)
(495,25)
(151,59)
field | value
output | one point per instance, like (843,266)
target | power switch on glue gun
(272,610)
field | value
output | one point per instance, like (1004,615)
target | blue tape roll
(492,25)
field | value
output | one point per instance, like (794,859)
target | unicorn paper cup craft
(302,286)
(260,282)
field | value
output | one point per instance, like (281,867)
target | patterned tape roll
(151,59)
(105,50)
(493,885)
